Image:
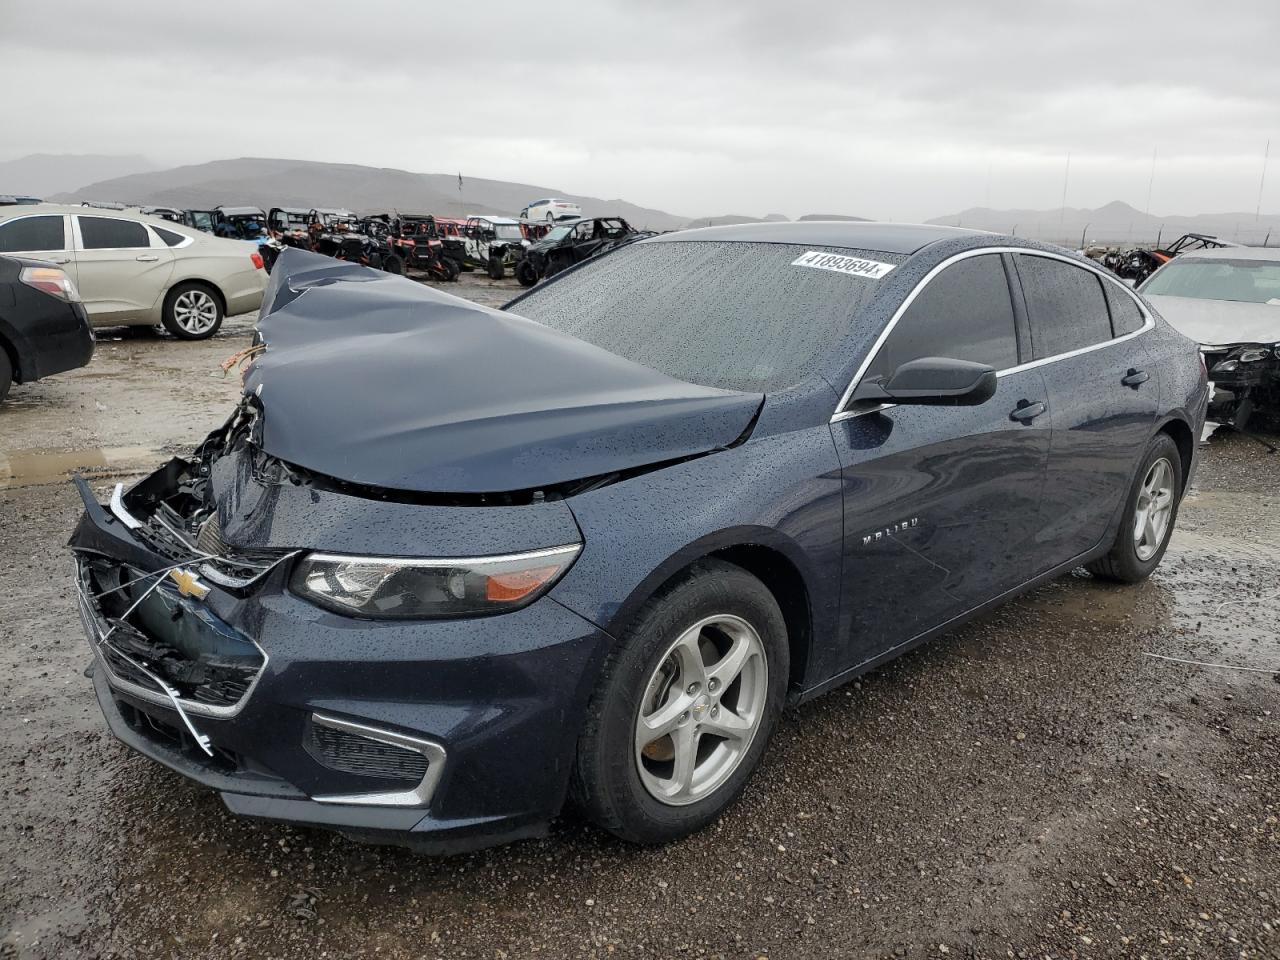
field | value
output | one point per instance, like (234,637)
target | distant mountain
(1115,223)
(730,219)
(833,216)
(269,183)
(43,174)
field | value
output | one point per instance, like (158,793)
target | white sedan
(135,270)
(551,209)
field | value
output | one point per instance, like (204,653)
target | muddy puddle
(34,469)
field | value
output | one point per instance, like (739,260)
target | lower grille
(352,753)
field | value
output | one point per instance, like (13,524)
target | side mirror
(933,380)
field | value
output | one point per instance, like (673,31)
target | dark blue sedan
(447,567)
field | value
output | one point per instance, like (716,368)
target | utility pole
(1151,182)
(1066,176)
(1266,153)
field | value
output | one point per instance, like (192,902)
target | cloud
(905,111)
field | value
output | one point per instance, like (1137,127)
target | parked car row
(132,269)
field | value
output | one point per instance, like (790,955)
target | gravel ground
(1031,786)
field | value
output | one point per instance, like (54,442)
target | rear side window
(1125,315)
(32,234)
(1065,305)
(168,236)
(106,233)
(963,313)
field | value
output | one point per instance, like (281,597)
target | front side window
(738,316)
(1246,281)
(963,313)
(106,233)
(1065,305)
(32,234)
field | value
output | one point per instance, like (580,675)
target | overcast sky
(899,110)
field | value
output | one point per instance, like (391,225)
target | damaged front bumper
(443,735)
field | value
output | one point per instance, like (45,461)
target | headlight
(1254,354)
(412,588)
(1226,366)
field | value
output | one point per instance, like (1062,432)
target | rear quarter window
(1125,315)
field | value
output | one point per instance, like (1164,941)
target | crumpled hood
(1220,322)
(378,380)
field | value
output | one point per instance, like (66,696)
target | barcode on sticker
(854,266)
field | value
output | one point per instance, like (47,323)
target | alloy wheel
(1154,510)
(701,709)
(195,311)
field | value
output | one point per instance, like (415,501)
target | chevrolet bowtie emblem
(189,584)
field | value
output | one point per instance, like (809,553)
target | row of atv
(440,247)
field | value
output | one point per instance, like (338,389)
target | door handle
(59,260)
(147,258)
(1027,410)
(1135,378)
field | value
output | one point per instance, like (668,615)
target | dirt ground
(1034,785)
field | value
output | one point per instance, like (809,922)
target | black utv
(572,242)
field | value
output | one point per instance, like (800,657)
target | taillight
(52,281)
(257,260)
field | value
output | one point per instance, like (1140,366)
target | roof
(240,211)
(489,219)
(35,209)
(904,238)
(1232,253)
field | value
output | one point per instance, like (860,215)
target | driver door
(941,503)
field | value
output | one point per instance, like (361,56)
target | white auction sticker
(854,266)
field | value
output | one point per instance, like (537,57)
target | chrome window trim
(419,796)
(1149,323)
(434,562)
(27,216)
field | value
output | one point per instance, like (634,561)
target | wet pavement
(1035,784)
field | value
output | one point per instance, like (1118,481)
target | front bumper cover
(493,704)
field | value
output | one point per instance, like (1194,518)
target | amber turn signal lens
(518,584)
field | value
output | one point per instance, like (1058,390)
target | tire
(6,374)
(495,269)
(526,273)
(1135,552)
(638,792)
(393,263)
(192,311)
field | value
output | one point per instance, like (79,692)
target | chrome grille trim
(419,796)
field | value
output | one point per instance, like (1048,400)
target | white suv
(135,270)
(551,209)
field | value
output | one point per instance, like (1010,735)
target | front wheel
(393,263)
(192,312)
(496,270)
(6,374)
(1149,515)
(685,707)
(526,273)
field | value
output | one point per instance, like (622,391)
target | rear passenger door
(122,269)
(942,503)
(1086,337)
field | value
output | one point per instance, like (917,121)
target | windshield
(557,233)
(507,231)
(738,316)
(1248,281)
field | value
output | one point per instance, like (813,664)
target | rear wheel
(1149,516)
(6,374)
(192,312)
(393,263)
(685,707)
